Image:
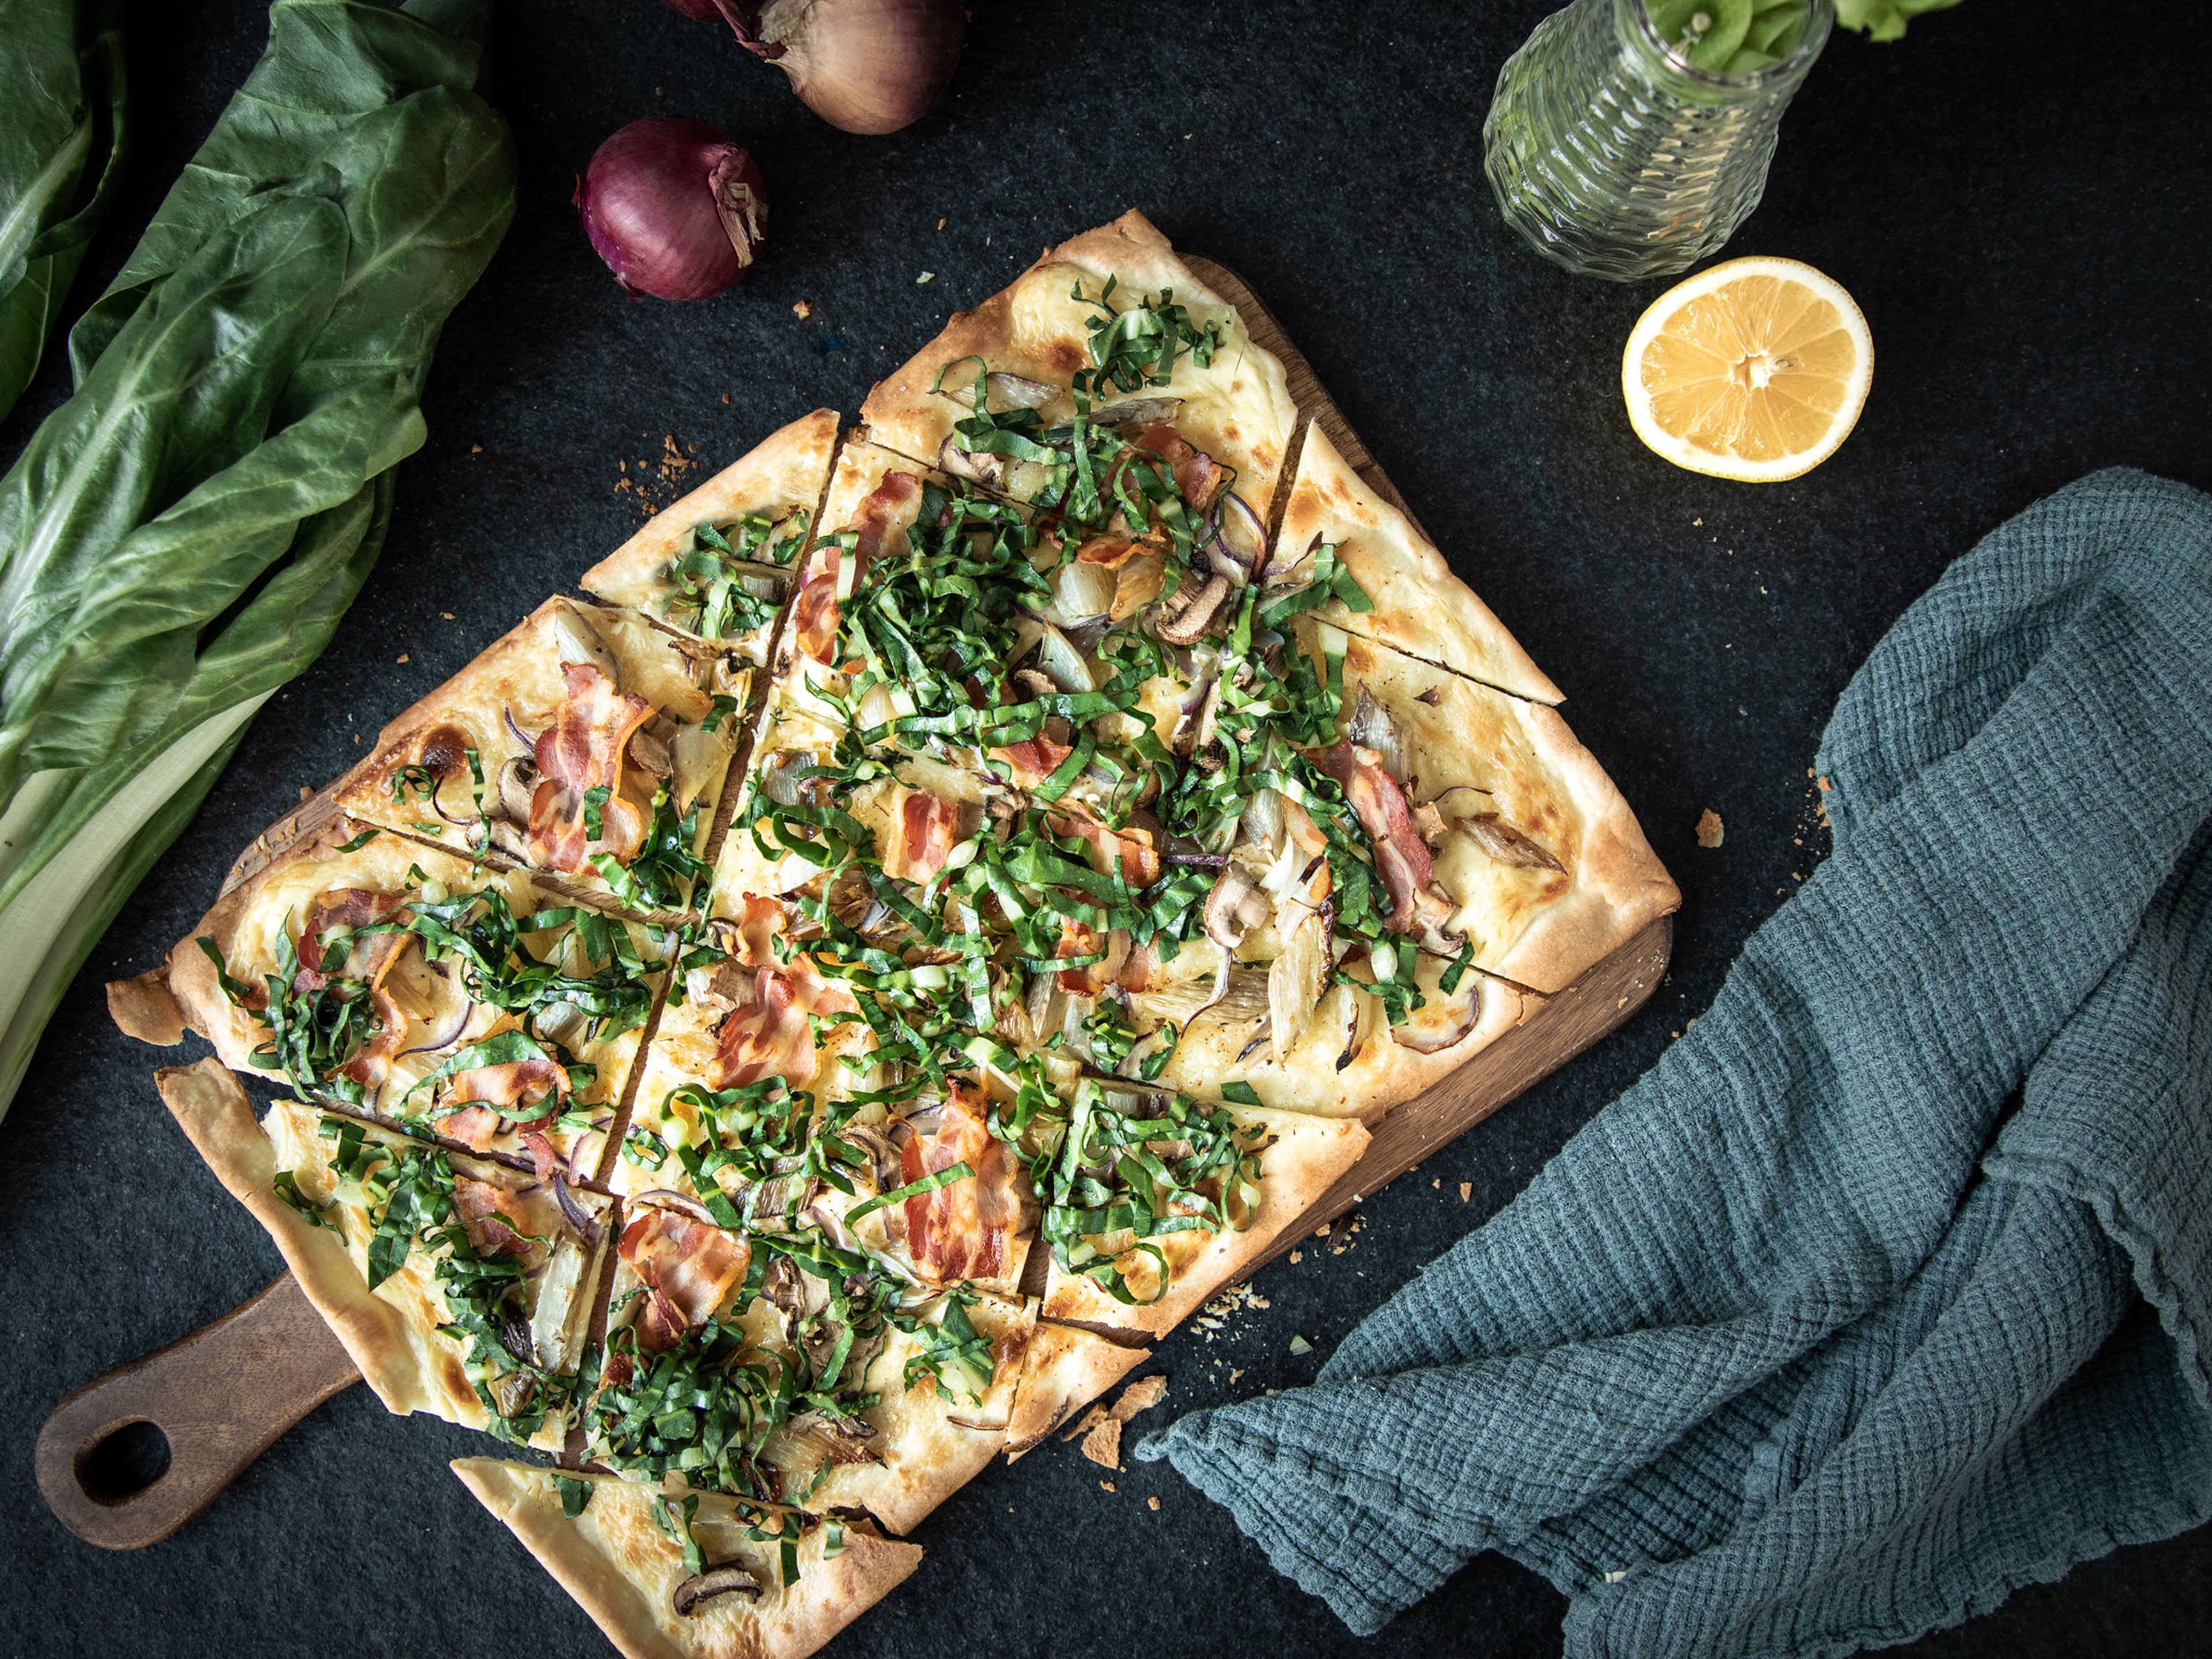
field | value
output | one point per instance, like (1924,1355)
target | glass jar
(1615,157)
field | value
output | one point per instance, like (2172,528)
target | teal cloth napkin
(1884,1292)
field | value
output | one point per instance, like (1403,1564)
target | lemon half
(1755,369)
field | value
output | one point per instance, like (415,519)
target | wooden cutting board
(223,1394)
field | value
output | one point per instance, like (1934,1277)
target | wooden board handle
(220,1396)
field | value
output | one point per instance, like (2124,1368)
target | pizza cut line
(801,1021)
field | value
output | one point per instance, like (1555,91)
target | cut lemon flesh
(1755,370)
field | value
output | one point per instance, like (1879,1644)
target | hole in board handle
(120,1465)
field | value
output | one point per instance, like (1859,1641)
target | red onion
(699,11)
(674,208)
(864,65)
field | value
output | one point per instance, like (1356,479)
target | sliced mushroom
(1191,623)
(1429,822)
(715,1581)
(507,838)
(1033,684)
(1137,412)
(649,753)
(1234,907)
(978,467)
(518,787)
(580,641)
(512,1392)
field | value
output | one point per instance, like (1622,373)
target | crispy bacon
(1133,847)
(344,909)
(541,1154)
(474,1126)
(688,1267)
(1033,760)
(757,927)
(508,1085)
(491,1226)
(1197,474)
(814,613)
(878,517)
(580,752)
(1401,857)
(1079,938)
(961,1230)
(924,829)
(767,1036)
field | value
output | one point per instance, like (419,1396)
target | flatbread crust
(788,470)
(1064,1369)
(1539,928)
(1238,409)
(1388,1065)
(623,1570)
(390,1332)
(245,923)
(517,682)
(1420,607)
(1299,1162)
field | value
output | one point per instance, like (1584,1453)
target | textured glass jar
(1616,158)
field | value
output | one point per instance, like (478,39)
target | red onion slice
(529,744)
(586,1228)
(450,1035)
(668,1199)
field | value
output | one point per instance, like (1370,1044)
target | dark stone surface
(2017,198)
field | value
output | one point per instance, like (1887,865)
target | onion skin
(866,66)
(699,11)
(675,208)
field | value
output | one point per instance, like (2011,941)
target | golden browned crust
(1064,1369)
(622,1570)
(1238,411)
(143,1006)
(1301,1162)
(1420,607)
(217,1118)
(787,469)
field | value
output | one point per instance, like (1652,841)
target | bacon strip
(1034,759)
(878,517)
(1131,847)
(961,1230)
(508,1085)
(1197,474)
(492,1228)
(924,830)
(814,613)
(765,1037)
(1079,938)
(688,1267)
(368,959)
(1401,857)
(474,1126)
(580,752)
(1110,551)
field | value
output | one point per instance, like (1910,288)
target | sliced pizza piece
(719,563)
(587,745)
(461,1286)
(1352,559)
(377,975)
(1064,1369)
(779,1359)
(1496,834)
(670,1574)
(1158,1201)
(1109,344)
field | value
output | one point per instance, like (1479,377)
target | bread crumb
(1438,1182)
(446,615)
(476,449)
(1105,1486)
(1152,1504)
(926,277)
(940,225)
(1465,1191)
(1090,1420)
(305,793)
(1709,828)
(1294,1258)
(403,659)
(1140,1395)
(725,396)
(802,311)
(1825,786)
(1299,1345)
(1102,1445)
